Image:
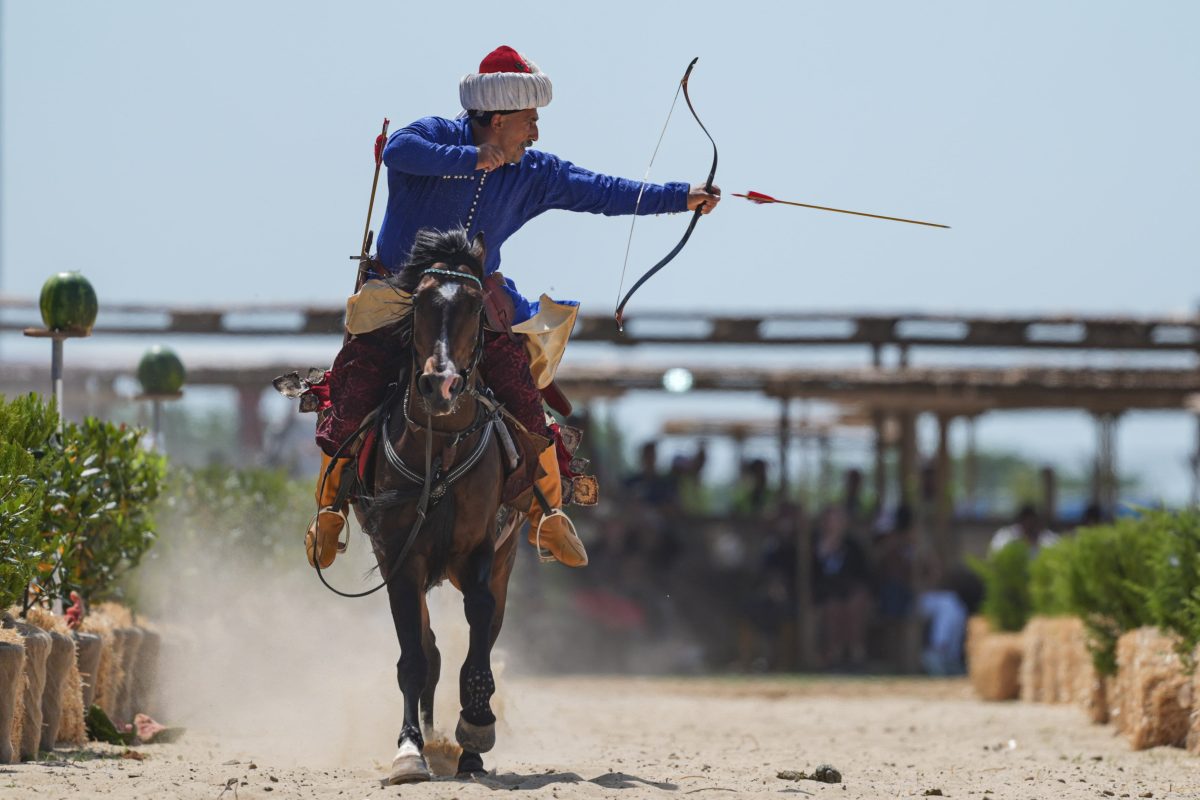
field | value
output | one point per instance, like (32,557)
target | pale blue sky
(220,151)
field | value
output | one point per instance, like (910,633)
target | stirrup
(314,525)
(545,556)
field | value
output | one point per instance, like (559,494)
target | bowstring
(642,190)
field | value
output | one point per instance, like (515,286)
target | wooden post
(251,427)
(1049,496)
(943,499)
(806,629)
(785,446)
(1105,491)
(971,466)
(879,422)
(824,468)
(908,459)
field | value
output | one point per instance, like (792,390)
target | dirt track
(629,738)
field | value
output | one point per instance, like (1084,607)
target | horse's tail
(438,530)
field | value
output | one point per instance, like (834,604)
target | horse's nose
(448,385)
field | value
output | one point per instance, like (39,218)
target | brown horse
(432,509)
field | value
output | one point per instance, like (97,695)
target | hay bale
(12,689)
(995,668)
(58,664)
(105,620)
(88,647)
(129,663)
(1061,652)
(1155,693)
(1061,663)
(978,629)
(1193,737)
(37,651)
(144,692)
(1032,656)
(62,700)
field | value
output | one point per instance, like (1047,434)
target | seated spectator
(648,485)
(753,496)
(895,565)
(688,486)
(945,611)
(841,599)
(1029,528)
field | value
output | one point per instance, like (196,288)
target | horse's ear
(478,249)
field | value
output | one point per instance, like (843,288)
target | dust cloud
(276,665)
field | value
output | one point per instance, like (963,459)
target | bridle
(476,354)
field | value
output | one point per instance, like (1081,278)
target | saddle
(520,448)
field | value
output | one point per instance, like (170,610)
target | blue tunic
(433,183)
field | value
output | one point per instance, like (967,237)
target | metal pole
(56,377)
(158,442)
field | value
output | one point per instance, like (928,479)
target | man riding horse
(477,172)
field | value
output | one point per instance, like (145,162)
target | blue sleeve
(574,188)
(422,149)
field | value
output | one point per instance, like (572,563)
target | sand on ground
(648,737)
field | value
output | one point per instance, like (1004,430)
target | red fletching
(757,197)
(380,142)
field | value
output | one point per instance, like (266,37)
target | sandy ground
(626,738)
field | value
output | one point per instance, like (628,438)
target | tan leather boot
(553,534)
(322,540)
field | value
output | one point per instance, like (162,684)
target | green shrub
(1107,579)
(1049,579)
(100,503)
(257,513)
(1005,576)
(1173,590)
(74,505)
(26,426)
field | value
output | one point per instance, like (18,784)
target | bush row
(1138,571)
(75,504)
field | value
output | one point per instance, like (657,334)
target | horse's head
(446,324)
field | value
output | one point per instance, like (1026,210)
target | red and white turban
(506,81)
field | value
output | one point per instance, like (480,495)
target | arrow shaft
(845,211)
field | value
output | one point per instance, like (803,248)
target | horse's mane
(431,247)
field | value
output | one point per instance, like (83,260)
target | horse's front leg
(476,731)
(407,599)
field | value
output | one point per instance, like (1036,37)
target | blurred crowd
(765,585)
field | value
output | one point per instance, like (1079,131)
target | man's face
(516,132)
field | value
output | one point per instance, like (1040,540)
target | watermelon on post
(68,303)
(160,371)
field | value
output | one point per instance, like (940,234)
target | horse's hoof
(470,765)
(475,738)
(408,766)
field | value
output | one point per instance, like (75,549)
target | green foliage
(75,506)
(1049,579)
(214,517)
(1134,572)
(26,426)
(1005,576)
(100,503)
(256,513)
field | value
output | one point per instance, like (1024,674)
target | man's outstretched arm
(574,188)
